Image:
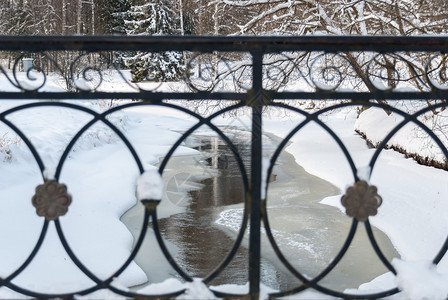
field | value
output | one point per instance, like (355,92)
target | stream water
(203,215)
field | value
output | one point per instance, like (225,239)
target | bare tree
(351,17)
(298,17)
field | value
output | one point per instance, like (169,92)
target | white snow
(168,286)
(411,275)
(242,289)
(364,173)
(31,81)
(82,84)
(196,290)
(150,185)
(50,173)
(102,176)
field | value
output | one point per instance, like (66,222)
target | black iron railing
(256,72)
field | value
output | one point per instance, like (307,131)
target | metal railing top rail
(340,46)
(343,48)
(224,43)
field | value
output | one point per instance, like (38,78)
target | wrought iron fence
(253,72)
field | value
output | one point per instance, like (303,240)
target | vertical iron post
(256,169)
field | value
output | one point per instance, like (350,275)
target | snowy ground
(414,196)
(101,176)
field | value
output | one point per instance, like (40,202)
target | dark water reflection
(201,245)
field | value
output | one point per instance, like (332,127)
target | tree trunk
(93,17)
(79,17)
(64,16)
(181,14)
(366,81)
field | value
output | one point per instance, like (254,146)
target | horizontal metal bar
(148,96)
(159,96)
(377,95)
(218,43)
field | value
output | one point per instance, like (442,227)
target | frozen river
(202,225)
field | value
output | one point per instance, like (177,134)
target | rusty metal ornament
(361,201)
(51,200)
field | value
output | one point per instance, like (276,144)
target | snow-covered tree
(373,17)
(154,18)
(350,17)
(41,17)
(14,17)
(111,16)
(204,17)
